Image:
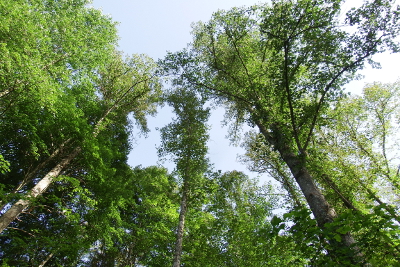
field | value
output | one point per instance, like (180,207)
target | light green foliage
(360,140)
(129,85)
(186,137)
(51,51)
(280,67)
(64,87)
(232,227)
(4,165)
(43,42)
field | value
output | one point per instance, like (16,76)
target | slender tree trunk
(288,186)
(347,202)
(181,225)
(46,259)
(36,191)
(6,92)
(387,207)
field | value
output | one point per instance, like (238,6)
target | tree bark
(16,209)
(181,226)
(30,175)
(46,259)
(45,182)
(322,211)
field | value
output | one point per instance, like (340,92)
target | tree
(98,90)
(67,208)
(360,141)
(362,134)
(43,54)
(141,216)
(354,156)
(279,67)
(261,158)
(185,140)
(132,83)
(236,217)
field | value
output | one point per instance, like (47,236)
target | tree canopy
(70,103)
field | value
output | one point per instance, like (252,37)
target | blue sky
(156,26)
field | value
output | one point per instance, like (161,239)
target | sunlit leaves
(57,55)
(281,67)
(185,138)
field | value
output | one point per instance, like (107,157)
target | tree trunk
(181,226)
(30,175)
(36,191)
(46,259)
(43,184)
(347,202)
(322,211)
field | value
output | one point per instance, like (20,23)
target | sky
(154,27)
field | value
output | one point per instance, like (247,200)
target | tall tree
(130,89)
(44,46)
(185,140)
(89,87)
(67,208)
(280,66)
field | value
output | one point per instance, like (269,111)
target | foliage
(362,138)
(65,90)
(271,73)
(360,152)
(69,100)
(185,140)
(234,219)
(142,216)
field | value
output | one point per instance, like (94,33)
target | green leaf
(275,221)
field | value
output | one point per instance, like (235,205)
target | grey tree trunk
(46,260)
(181,226)
(45,182)
(30,175)
(18,207)
(322,211)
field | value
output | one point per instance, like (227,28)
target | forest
(70,102)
